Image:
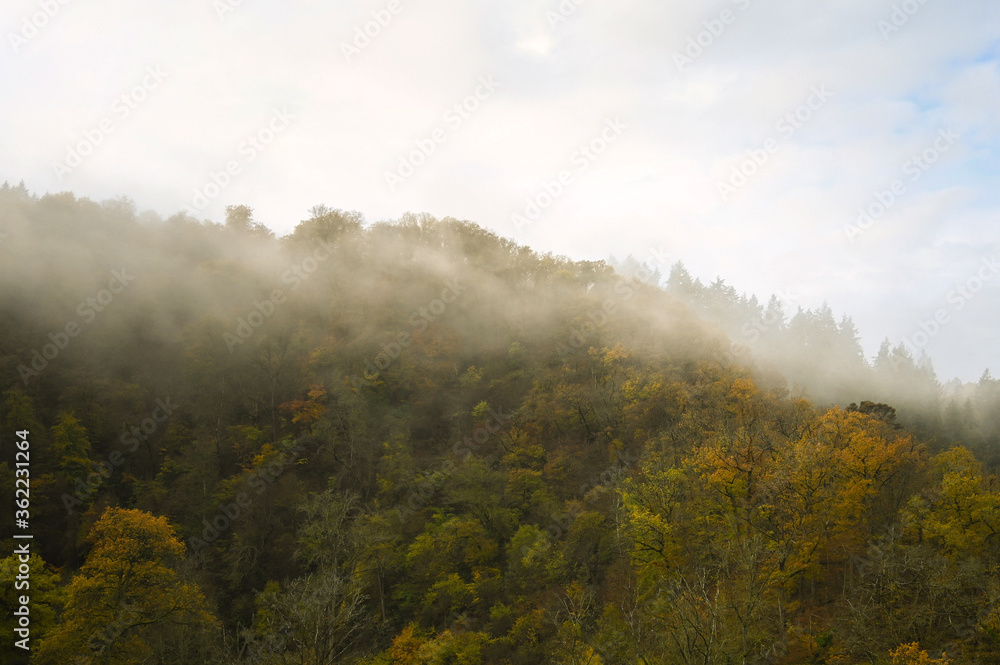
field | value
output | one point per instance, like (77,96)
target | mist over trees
(415,441)
(819,355)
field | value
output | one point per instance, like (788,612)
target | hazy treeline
(418,442)
(821,357)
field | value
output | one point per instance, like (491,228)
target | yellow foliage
(405,646)
(126,586)
(962,512)
(910,654)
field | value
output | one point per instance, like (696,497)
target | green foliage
(441,447)
(126,590)
(70,445)
(45,596)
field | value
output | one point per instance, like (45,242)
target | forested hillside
(417,442)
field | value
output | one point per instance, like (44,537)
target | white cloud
(656,186)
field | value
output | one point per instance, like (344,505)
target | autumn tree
(46,601)
(126,595)
(72,447)
(321,616)
(912,654)
(961,512)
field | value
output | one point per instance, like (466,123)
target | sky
(841,152)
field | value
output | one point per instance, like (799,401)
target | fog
(841,157)
(357,410)
(101,290)
(544,331)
